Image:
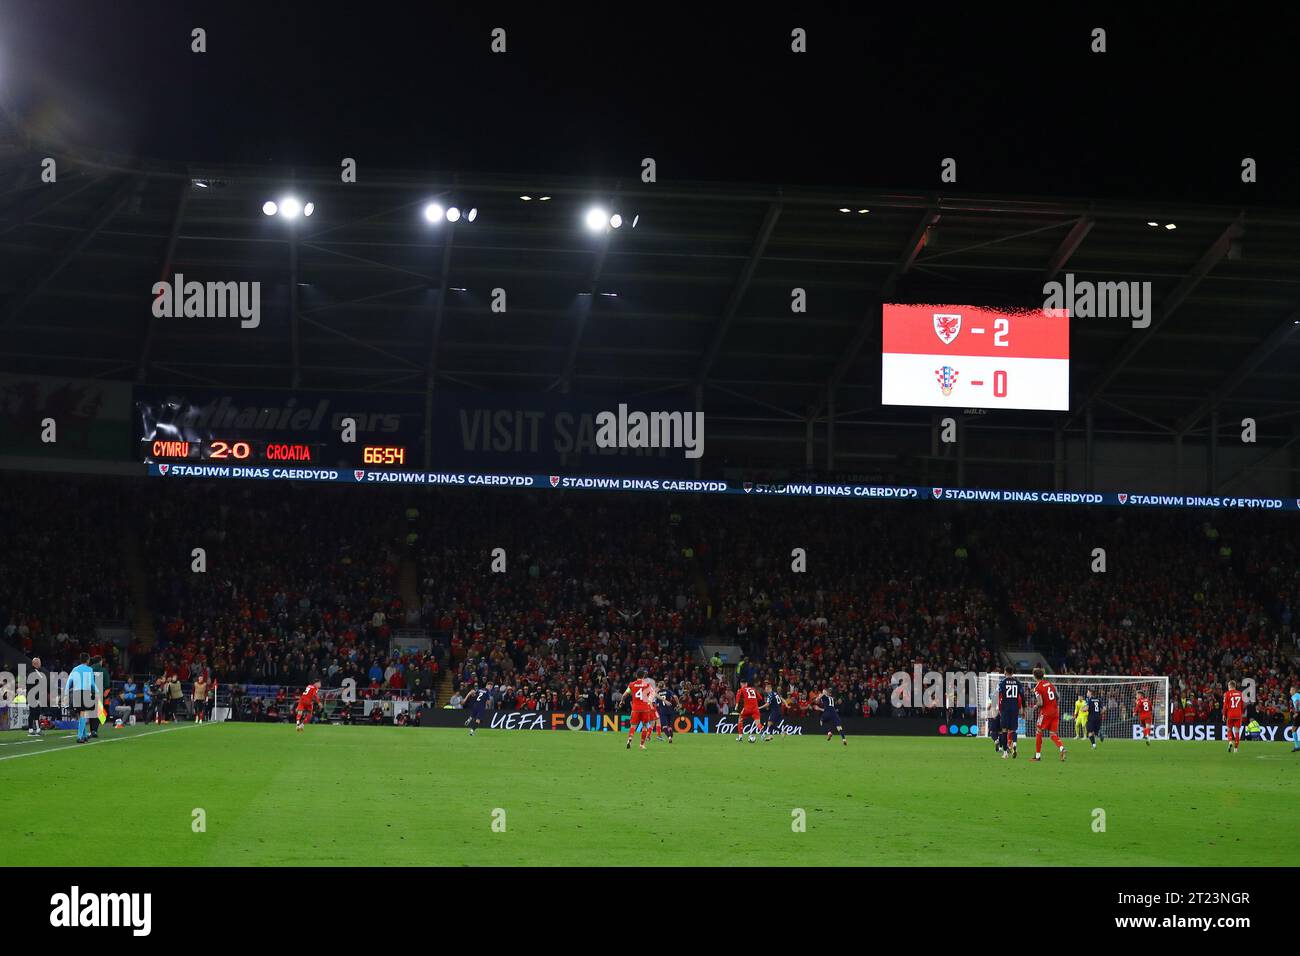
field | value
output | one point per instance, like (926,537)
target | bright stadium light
(597,219)
(473,214)
(453,214)
(526,198)
(845,209)
(290,207)
(634,220)
(1170,225)
(433,212)
(308,209)
(269,208)
(615,220)
(543,198)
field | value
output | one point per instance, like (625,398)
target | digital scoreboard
(966,356)
(242,451)
(254,430)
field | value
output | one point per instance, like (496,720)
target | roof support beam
(435,336)
(1132,414)
(151,321)
(34,285)
(364,298)
(1073,239)
(440,303)
(585,304)
(738,290)
(1209,259)
(294,347)
(870,323)
(1259,462)
(1258,355)
(43,198)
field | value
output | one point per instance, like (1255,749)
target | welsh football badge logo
(946,326)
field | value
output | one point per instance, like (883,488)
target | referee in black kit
(36,691)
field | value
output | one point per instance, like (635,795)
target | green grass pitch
(408,796)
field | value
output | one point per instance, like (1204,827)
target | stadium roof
(367,295)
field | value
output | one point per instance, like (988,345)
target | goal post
(1117,693)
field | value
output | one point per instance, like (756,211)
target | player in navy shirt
(995,726)
(825,704)
(772,704)
(1094,716)
(1010,693)
(666,702)
(477,700)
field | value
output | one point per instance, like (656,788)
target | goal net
(1117,693)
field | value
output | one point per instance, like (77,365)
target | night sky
(1019,100)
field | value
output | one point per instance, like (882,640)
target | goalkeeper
(1080,717)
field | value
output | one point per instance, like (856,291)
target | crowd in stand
(60,570)
(591,591)
(559,600)
(1175,595)
(892,593)
(296,588)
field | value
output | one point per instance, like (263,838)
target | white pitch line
(110,740)
(35,740)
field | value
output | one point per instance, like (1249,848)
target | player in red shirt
(307,702)
(1146,715)
(644,714)
(1049,714)
(1234,711)
(747,704)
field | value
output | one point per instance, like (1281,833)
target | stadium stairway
(409,588)
(11,655)
(444,690)
(409,583)
(142,617)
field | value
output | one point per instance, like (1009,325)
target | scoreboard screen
(244,451)
(251,429)
(967,356)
